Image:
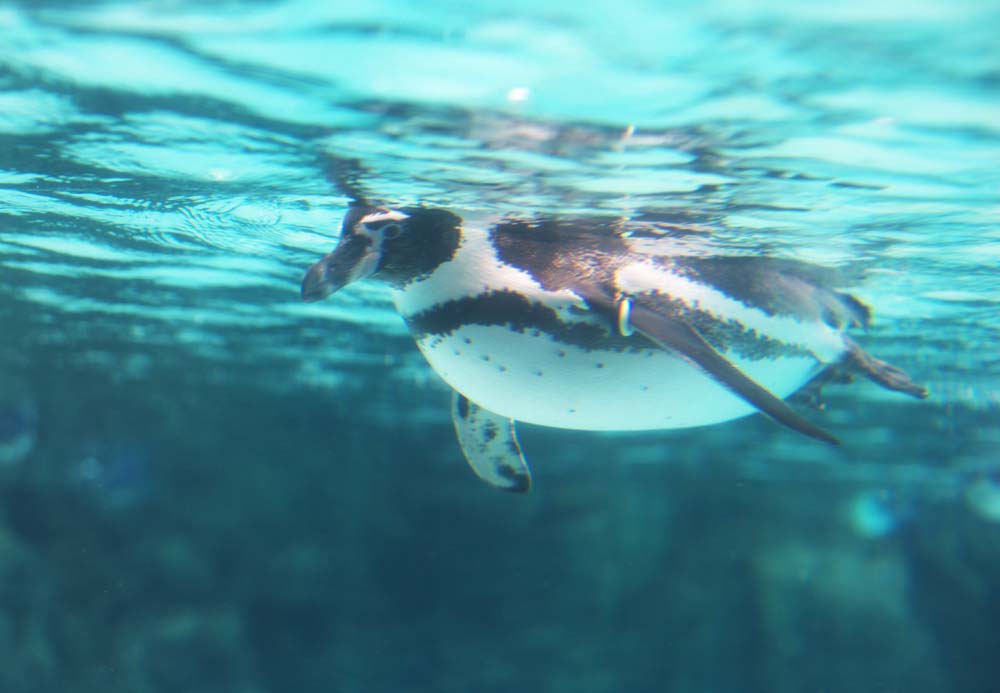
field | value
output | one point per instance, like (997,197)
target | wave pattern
(163,174)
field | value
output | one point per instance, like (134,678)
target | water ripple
(162,172)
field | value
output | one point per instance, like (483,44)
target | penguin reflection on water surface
(580,324)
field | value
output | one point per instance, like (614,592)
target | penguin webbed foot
(881,372)
(489,444)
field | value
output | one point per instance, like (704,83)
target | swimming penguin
(584,324)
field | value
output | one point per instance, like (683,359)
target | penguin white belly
(536,379)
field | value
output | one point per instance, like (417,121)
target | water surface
(169,169)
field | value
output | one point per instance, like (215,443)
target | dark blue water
(208,485)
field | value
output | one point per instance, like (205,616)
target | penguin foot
(885,374)
(490,446)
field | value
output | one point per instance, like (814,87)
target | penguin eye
(390,231)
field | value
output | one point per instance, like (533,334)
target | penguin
(594,324)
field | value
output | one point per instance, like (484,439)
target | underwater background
(207,485)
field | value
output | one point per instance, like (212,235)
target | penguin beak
(353,259)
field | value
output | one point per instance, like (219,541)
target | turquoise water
(168,170)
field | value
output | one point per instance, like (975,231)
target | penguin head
(393,246)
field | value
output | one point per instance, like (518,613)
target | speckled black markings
(490,432)
(515,312)
(748,343)
(463,406)
(520,482)
(723,335)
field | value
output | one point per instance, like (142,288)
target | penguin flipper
(678,337)
(490,445)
